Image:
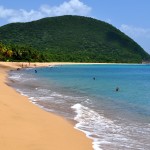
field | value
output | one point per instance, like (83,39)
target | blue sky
(130,16)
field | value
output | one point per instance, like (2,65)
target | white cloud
(108,20)
(72,7)
(24,16)
(140,35)
(135,32)
(4,13)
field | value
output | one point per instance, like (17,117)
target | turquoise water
(87,94)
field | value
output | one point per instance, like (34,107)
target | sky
(130,16)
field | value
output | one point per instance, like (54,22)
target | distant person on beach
(35,71)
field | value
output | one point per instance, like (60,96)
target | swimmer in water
(117,89)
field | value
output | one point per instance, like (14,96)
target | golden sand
(24,126)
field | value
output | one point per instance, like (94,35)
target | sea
(110,103)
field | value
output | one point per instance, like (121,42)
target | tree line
(20,53)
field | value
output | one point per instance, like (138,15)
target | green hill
(74,38)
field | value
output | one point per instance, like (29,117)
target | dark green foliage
(20,53)
(74,39)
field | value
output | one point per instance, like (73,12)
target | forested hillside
(74,39)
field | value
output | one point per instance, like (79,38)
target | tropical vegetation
(20,53)
(68,38)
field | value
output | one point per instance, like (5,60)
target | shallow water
(87,94)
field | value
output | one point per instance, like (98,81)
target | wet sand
(24,126)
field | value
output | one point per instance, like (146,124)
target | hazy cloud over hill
(140,35)
(135,31)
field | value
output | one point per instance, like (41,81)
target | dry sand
(24,126)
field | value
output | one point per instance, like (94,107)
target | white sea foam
(55,94)
(20,77)
(42,90)
(29,68)
(46,98)
(103,131)
(21,92)
(15,76)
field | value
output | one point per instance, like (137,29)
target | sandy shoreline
(24,126)
(13,65)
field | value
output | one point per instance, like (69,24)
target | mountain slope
(74,38)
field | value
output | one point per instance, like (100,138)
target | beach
(25,126)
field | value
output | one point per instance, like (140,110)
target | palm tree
(9,53)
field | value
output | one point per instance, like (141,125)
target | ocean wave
(15,76)
(106,134)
